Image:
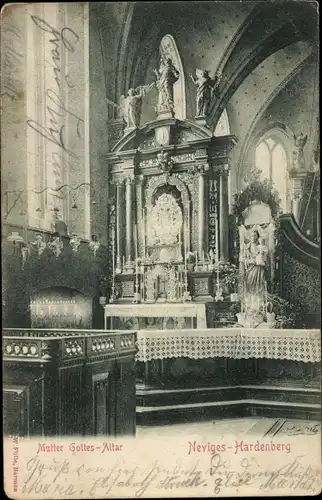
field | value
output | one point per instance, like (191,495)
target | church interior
(160,217)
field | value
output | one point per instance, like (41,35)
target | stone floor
(254,427)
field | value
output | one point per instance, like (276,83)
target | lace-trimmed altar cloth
(236,343)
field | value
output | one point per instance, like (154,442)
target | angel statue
(130,107)
(205,87)
(167,75)
(298,155)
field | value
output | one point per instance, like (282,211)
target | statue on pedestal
(131,106)
(205,87)
(167,75)
(254,257)
(298,154)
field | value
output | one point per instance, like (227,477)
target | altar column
(223,213)
(128,218)
(119,218)
(140,218)
(202,169)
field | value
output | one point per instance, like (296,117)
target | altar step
(162,406)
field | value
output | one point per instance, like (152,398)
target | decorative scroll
(295,345)
(180,158)
(213,210)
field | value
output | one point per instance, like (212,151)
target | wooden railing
(68,382)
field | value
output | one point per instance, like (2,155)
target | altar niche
(165,225)
(165,241)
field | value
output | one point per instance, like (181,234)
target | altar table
(236,343)
(170,315)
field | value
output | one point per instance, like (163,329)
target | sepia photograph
(161,295)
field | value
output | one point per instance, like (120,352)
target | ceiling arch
(248,137)
(274,32)
(122,67)
(235,38)
(290,101)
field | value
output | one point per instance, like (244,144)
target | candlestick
(113,253)
(136,240)
(113,296)
(188,235)
(185,252)
(142,283)
(137,296)
(146,227)
(217,240)
(143,232)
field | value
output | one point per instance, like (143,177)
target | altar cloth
(157,309)
(237,343)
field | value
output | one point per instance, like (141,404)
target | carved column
(223,213)
(119,218)
(128,218)
(140,214)
(201,169)
(297,193)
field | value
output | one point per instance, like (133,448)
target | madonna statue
(167,75)
(254,258)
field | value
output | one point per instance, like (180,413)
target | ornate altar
(170,186)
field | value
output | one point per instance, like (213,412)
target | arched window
(168,49)
(271,160)
(222,127)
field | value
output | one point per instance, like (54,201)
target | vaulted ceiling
(258,47)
